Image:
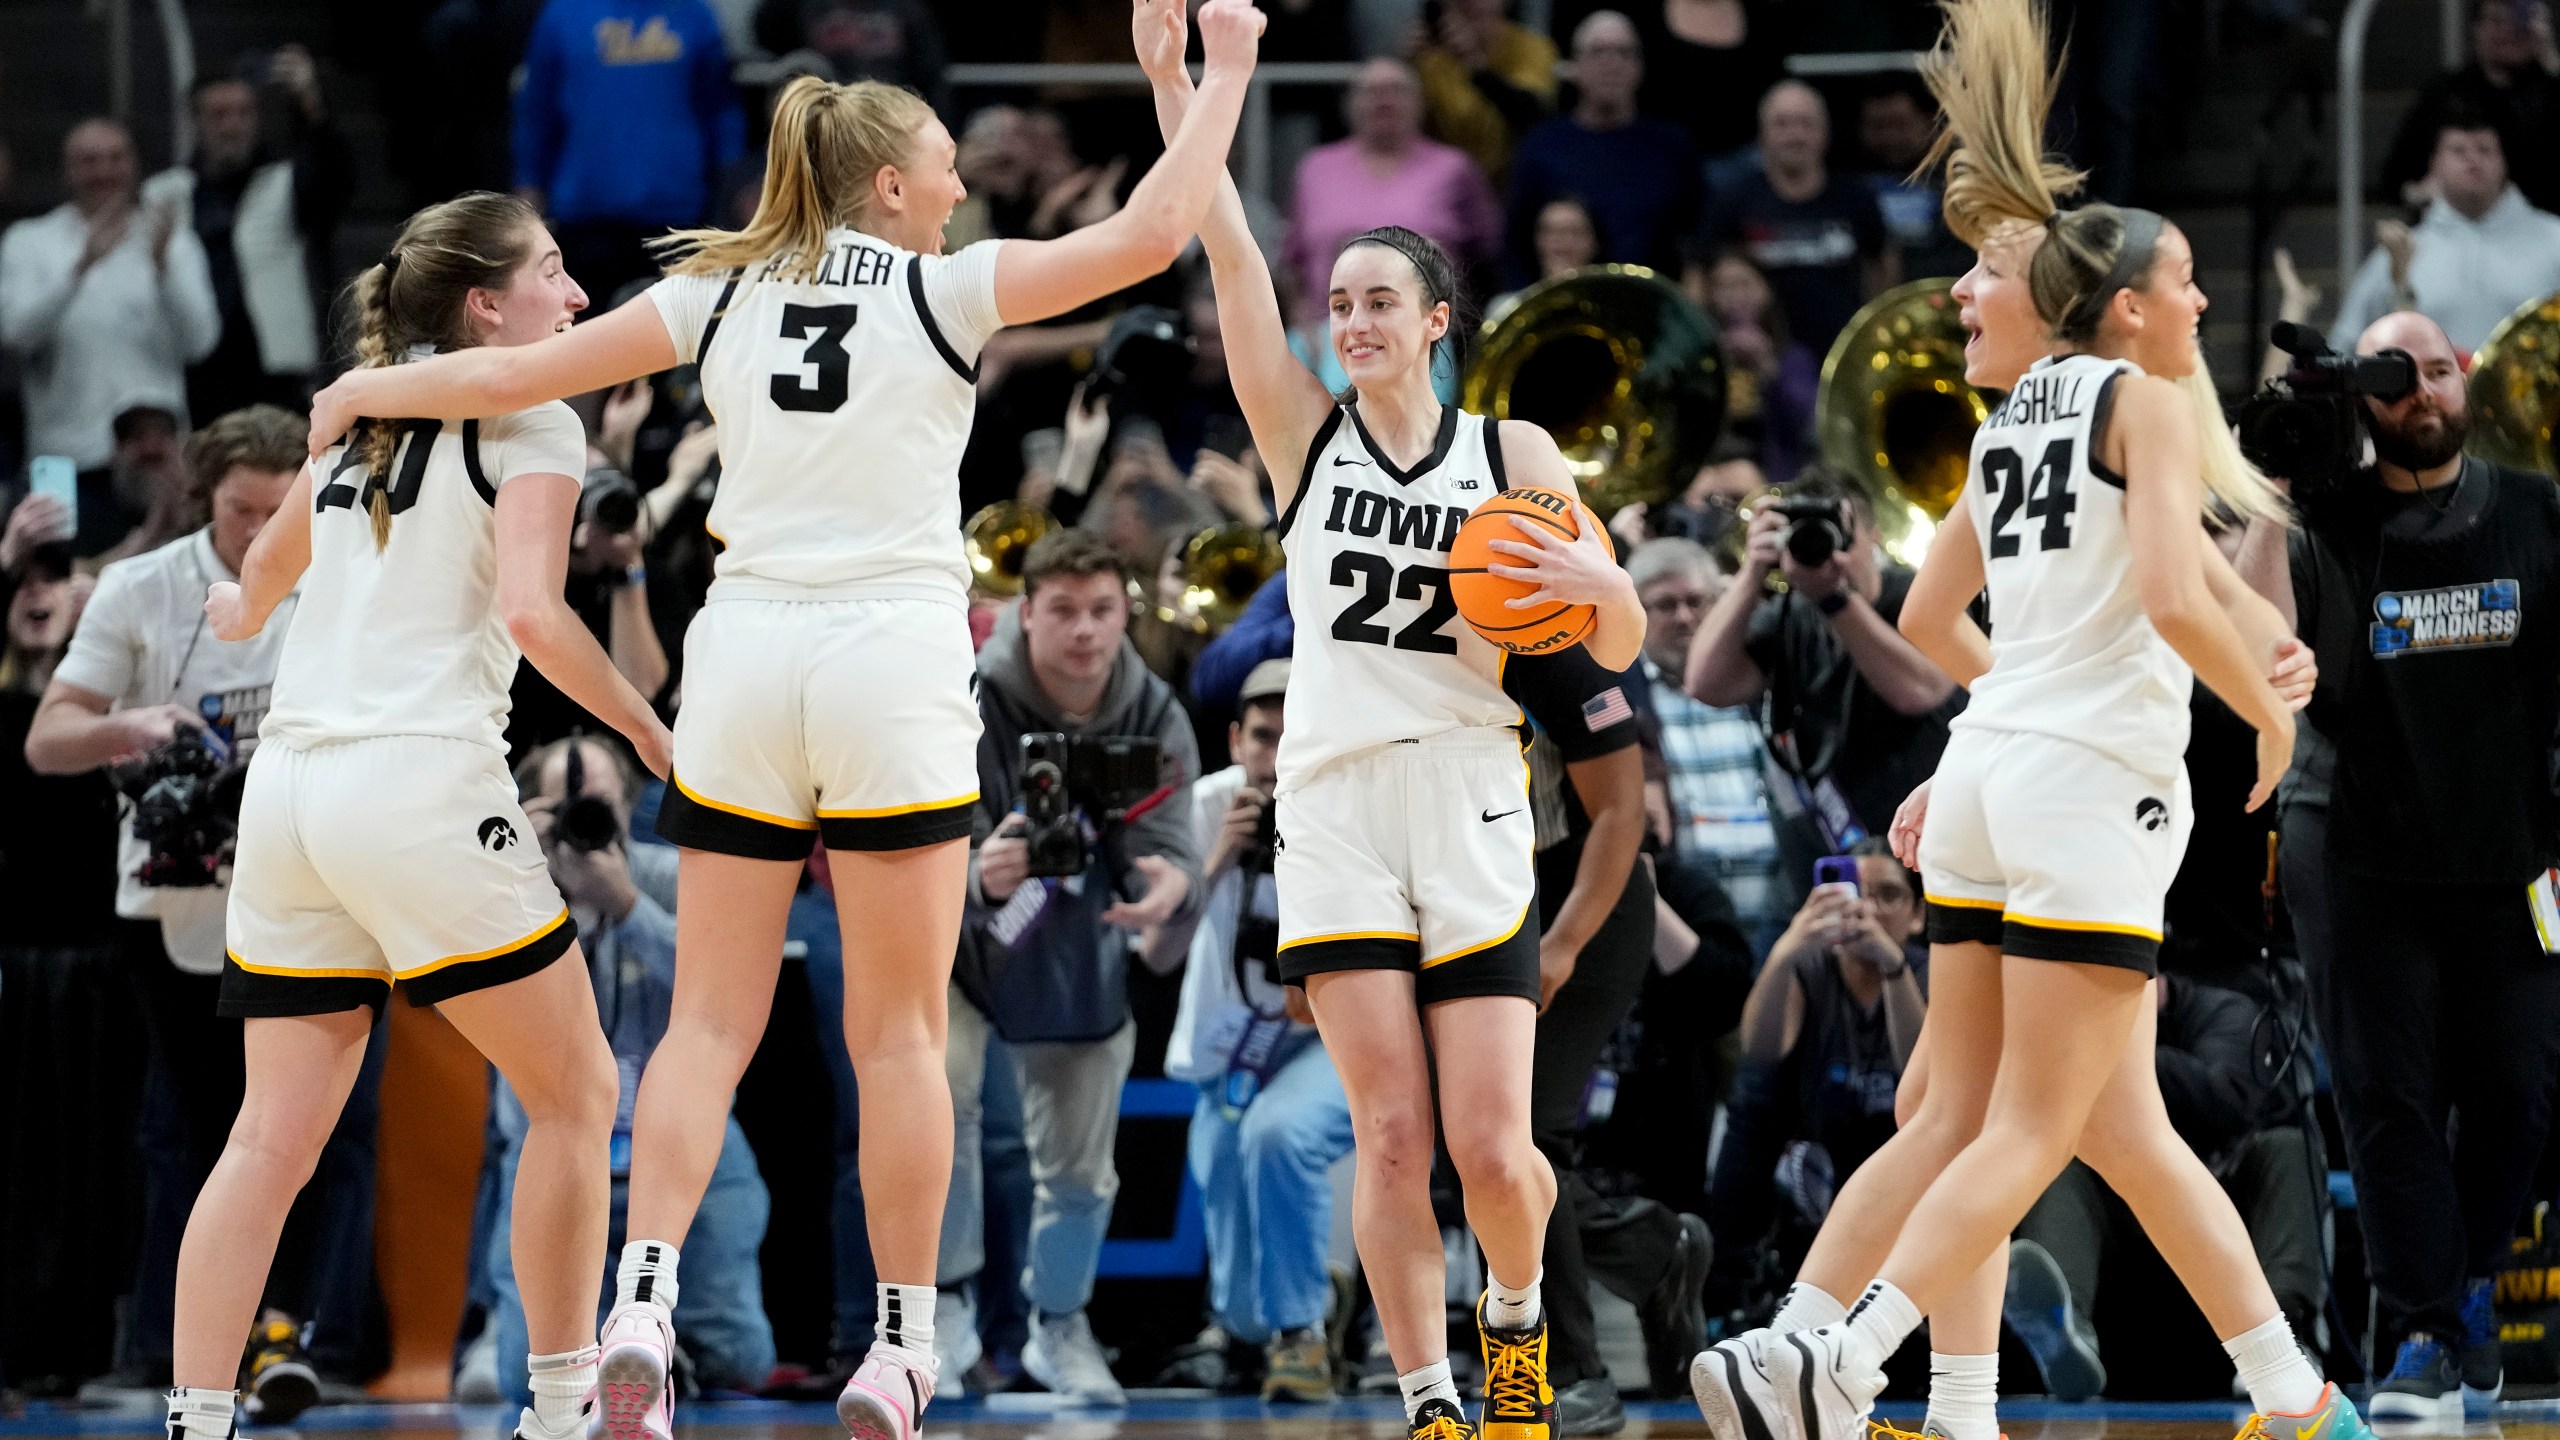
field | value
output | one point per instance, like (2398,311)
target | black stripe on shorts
(687,822)
(257,995)
(490,971)
(2031,941)
(1951,924)
(903,831)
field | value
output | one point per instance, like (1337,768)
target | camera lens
(610,502)
(589,824)
(1813,542)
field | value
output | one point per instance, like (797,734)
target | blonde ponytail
(1990,78)
(828,144)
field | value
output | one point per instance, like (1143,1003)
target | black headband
(1405,248)
(2133,260)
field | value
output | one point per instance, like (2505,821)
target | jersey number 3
(835,368)
(1376,578)
(2044,493)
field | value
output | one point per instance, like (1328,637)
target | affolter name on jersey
(2455,617)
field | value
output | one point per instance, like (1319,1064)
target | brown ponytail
(828,144)
(414,296)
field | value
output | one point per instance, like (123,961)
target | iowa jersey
(1381,653)
(2073,653)
(844,404)
(406,639)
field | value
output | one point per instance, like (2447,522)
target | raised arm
(624,344)
(1933,614)
(1036,279)
(1283,403)
(535,515)
(270,570)
(2152,442)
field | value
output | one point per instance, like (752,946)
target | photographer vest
(2073,654)
(405,638)
(1381,654)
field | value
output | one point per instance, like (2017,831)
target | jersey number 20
(2044,492)
(835,368)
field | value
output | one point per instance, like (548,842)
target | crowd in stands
(161,335)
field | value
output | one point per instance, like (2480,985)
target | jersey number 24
(2044,493)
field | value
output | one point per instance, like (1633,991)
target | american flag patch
(1605,709)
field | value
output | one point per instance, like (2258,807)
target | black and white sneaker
(1825,1390)
(1730,1381)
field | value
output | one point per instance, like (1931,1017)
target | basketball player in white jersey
(828,681)
(379,833)
(1404,866)
(2103,594)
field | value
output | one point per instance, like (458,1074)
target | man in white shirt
(2480,251)
(104,300)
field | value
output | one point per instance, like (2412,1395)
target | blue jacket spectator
(623,125)
(1265,631)
(1638,177)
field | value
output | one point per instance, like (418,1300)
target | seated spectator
(1387,172)
(1707,63)
(1718,809)
(1819,237)
(1566,237)
(1272,1118)
(1486,79)
(2480,251)
(623,897)
(1044,961)
(623,119)
(153,493)
(1637,177)
(2513,81)
(1771,381)
(892,41)
(2207,1058)
(102,299)
(1855,716)
(266,214)
(1894,124)
(1830,1024)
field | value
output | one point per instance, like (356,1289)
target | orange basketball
(1482,596)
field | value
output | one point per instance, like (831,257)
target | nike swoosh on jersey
(1489,817)
(1347,460)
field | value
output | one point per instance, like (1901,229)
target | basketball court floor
(1032,1417)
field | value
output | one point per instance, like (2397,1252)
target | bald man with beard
(2413,860)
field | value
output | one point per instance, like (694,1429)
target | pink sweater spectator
(1437,190)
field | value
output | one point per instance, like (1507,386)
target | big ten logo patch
(2454,617)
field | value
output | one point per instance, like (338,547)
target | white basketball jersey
(406,639)
(844,403)
(1381,654)
(2072,653)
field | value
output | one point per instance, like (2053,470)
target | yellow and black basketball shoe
(1518,1402)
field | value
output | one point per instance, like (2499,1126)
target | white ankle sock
(561,1384)
(1509,1309)
(1882,1319)
(199,1413)
(906,1317)
(647,1276)
(1807,1307)
(2279,1380)
(1431,1382)
(1964,1396)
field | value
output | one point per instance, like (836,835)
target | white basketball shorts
(398,857)
(855,721)
(2050,849)
(1414,856)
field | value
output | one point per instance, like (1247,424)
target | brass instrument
(2515,389)
(1617,364)
(1222,567)
(1896,414)
(996,540)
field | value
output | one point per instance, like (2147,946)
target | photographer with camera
(149,693)
(2415,850)
(578,794)
(1853,714)
(1084,844)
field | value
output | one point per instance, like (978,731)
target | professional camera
(1263,850)
(186,808)
(609,501)
(1816,529)
(2306,425)
(1077,791)
(1143,361)
(584,822)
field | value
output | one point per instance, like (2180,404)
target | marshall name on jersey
(1381,654)
(2073,653)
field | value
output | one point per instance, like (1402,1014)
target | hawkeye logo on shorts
(2150,814)
(496,833)
(2457,617)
